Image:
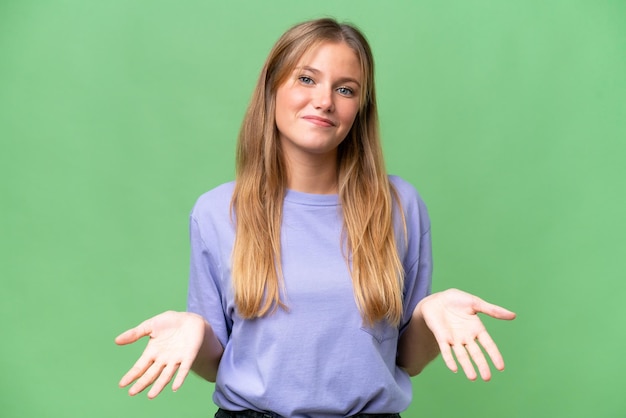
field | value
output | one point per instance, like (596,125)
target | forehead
(332,57)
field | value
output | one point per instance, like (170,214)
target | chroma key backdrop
(509,117)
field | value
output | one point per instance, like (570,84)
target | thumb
(494,311)
(132,335)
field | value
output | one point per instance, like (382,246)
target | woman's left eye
(345,91)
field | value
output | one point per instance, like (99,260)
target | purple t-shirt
(317,359)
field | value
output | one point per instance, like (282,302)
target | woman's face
(317,104)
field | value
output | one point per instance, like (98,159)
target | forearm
(417,346)
(207,361)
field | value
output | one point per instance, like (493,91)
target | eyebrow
(341,80)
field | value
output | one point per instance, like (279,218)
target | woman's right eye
(305,80)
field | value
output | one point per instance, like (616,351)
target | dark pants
(222,413)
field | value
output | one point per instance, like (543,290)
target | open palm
(452,317)
(175,339)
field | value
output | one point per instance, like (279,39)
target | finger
(445,344)
(164,378)
(133,334)
(139,368)
(183,371)
(448,359)
(127,337)
(494,311)
(479,360)
(492,350)
(146,379)
(463,358)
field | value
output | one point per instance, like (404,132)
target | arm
(178,341)
(448,322)
(417,346)
(192,340)
(209,355)
(443,322)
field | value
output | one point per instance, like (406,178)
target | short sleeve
(418,260)
(205,295)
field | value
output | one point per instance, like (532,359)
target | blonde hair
(365,192)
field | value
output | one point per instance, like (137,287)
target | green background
(508,116)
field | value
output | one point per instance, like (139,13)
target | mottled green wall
(508,116)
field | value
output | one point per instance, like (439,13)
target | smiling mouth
(319,121)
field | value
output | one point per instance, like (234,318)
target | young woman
(310,275)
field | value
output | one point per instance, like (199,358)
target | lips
(319,121)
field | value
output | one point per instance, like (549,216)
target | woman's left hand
(452,317)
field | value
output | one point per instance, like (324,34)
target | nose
(323,99)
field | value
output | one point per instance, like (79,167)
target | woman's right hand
(175,339)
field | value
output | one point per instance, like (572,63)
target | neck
(313,176)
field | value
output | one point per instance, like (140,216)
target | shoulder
(409,197)
(415,213)
(215,202)
(402,186)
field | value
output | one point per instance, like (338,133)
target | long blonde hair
(365,192)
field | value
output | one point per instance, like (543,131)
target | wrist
(418,312)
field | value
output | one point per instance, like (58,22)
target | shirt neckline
(311,199)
